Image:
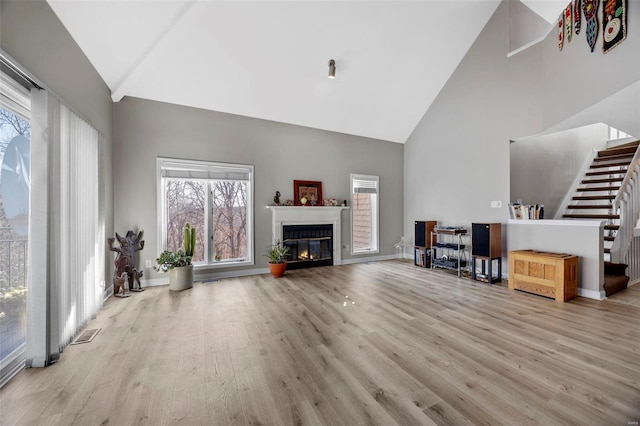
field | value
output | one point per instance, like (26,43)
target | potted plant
(277,253)
(178,264)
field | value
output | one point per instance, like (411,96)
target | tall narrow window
(364,214)
(216,198)
(617,134)
(15,177)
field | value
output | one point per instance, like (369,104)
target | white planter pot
(181,278)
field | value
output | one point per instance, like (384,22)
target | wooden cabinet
(552,275)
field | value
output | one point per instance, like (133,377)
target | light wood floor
(408,346)
(628,296)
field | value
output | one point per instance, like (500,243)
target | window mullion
(164,213)
(207,225)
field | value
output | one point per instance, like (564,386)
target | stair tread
(616,164)
(607,250)
(635,143)
(606,172)
(608,238)
(617,150)
(591,216)
(590,206)
(604,180)
(594,197)
(615,156)
(599,188)
(612,227)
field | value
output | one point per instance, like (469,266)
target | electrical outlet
(496,204)
(148,264)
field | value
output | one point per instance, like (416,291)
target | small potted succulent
(277,254)
(178,263)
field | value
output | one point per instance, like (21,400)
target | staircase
(603,194)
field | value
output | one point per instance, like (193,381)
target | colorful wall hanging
(568,22)
(590,10)
(561,31)
(577,16)
(614,23)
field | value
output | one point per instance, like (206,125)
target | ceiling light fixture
(332,69)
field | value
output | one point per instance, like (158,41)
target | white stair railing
(626,246)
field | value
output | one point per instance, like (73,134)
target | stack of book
(519,211)
(422,257)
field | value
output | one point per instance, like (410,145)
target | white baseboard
(368,259)
(153,282)
(230,274)
(207,277)
(591,294)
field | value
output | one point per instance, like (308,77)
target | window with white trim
(364,214)
(216,198)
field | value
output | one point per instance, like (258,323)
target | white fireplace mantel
(294,215)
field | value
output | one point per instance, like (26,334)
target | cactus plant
(189,239)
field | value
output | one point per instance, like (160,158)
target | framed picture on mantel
(309,190)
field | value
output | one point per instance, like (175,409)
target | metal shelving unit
(449,250)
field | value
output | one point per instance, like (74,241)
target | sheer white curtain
(68,240)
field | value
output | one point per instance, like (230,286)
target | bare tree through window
(186,203)
(229,199)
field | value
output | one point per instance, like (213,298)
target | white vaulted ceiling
(549,10)
(268,59)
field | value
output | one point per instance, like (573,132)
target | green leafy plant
(277,253)
(169,260)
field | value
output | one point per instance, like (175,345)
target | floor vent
(86,336)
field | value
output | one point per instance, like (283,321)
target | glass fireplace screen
(309,245)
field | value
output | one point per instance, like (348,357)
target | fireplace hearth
(309,245)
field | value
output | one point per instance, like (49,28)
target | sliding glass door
(14,221)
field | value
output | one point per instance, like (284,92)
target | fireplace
(309,245)
(311,216)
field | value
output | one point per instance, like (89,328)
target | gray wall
(543,168)
(144,130)
(32,34)
(457,158)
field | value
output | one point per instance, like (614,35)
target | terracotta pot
(277,269)
(181,278)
